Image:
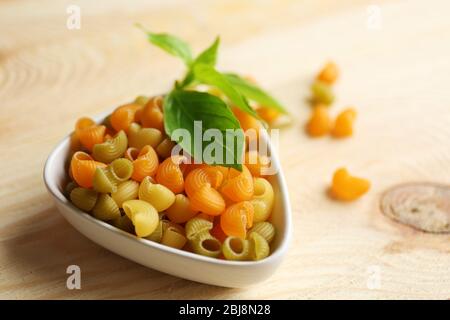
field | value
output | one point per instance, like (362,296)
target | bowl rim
(276,255)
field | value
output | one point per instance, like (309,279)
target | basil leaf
(171,44)
(209,55)
(253,92)
(183,110)
(208,75)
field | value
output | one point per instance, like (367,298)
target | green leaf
(171,44)
(208,75)
(209,55)
(253,92)
(183,110)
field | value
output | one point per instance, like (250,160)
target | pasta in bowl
(150,222)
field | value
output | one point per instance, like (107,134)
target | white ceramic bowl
(163,258)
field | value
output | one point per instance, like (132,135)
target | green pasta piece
(124,223)
(206,245)
(264,229)
(322,93)
(121,169)
(127,190)
(83,199)
(235,248)
(141,100)
(139,137)
(112,149)
(157,234)
(69,187)
(106,208)
(259,248)
(103,182)
(195,226)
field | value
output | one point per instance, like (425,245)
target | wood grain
(396,77)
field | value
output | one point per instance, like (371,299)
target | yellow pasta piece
(157,195)
(264,229)
(83,199)
(173,238)
(196,226)
(139,137)
(259,248)
(105,209)
(127,190)
(262,200)
(145,218)
(111,149)
(235,248)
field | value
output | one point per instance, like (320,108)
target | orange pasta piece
(249,124)
(91,136)
(131,154)
(207,200)
(256,163)
(237,219)
(239,185)
(217,232)
(146,164)
(169,174)
(268,114)
(83,167)
(151,115)
(83,123)
(123,116)
(201,176)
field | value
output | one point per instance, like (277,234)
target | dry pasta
(112,149)
(164,148)
(239,185)
(262,199)
(234,248)
(106,208)
(139,137)
(180,211)
(173,238)
(103,181)
(83,199)
(124,223)
(259,248)
(264,229)
(156,235)
(237,219)
(206,245)
(83,167)
(144,217)
(123,116)
(127,190)
(159,196)
(146,164)
(169,174)
(196,226)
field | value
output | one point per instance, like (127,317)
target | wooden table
(395,71)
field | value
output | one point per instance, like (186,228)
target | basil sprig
(183,107)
